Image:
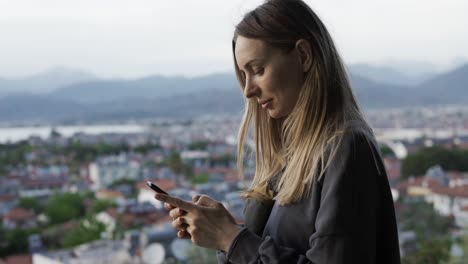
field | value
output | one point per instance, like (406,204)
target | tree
(52,236)
(418,163)
(431,251)
(13,154)
(89,230)
(3,242)
(101,205)
(386,151)
(123,181)
(198,145)
(144,149)
(174,162)
(17,241)
(199,179)
(433,239)
(30,203)
(64,207)
(462,241)
(433,225)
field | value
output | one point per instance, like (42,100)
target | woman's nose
(250,89)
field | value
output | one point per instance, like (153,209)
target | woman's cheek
(268,85)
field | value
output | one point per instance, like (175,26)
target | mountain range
(63,95)
(47,81)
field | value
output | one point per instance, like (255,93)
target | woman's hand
(178,223)
(206,222)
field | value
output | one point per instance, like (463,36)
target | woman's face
(273,77)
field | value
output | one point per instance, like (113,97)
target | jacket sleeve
(345,227)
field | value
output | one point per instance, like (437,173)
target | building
(17,259)
(106,170)
(42,188)
(96,252)
(393,168)
(19,218)
(7,203)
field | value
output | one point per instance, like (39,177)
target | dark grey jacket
(348,218)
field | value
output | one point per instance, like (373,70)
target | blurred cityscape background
(97,97)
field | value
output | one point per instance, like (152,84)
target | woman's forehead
(248,49)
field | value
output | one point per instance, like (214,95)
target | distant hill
(447,88)
(145,88)
(159,96)
(44,82)
(205,101)
(388,75)
(37,108)
(371,94)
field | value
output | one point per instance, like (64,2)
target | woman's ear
(305,54)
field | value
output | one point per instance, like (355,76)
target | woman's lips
(267,104)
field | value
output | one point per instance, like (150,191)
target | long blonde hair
(302,145)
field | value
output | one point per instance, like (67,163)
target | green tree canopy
(386,151)
(432,230)
(101,205)
(417,163)
(88,230)
(146,148)
(64,207)
(30,203)
(198,145)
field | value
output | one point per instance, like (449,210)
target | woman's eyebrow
(248,64)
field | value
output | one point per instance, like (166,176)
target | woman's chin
(274,114)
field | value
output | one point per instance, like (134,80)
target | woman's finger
(168,206)
(183,235)
(205,200)
(176,212)
(195,198)
(179,224)
(176,202)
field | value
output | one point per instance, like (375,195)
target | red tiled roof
(455,175)
(18,214)
(418,181)
(232,176)
(112,212)
(434,186)
(459,191)
(108,194)
(219,170)
(40,183)
(7,198)
(18,259)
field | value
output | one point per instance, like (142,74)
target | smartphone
(155,188)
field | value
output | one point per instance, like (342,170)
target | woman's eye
(259,71)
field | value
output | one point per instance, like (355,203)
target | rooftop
(18,214)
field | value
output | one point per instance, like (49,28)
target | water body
(14,134)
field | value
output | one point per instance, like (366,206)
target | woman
(320,193)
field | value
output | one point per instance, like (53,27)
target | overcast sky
(134,38)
